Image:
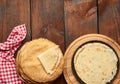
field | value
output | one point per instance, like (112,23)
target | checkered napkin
(8,73)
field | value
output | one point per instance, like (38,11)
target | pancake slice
(50,59)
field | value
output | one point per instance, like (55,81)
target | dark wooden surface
(61,21)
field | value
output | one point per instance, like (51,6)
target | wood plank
(13,13)
(1,14)
(48,22)
(109,18)
(80,18)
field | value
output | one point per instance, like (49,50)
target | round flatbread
(95,63)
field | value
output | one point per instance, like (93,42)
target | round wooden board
(69,76)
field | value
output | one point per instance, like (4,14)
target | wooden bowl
(68,66)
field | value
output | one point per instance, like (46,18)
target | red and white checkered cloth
(8,73)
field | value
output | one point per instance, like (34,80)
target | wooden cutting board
(68,71)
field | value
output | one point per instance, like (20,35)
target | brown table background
(61,21)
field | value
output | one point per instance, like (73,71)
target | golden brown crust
(28,65)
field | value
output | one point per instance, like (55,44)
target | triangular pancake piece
(50,59)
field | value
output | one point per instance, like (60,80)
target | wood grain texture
(47,18)
(13,13)
(109,18)
(80,18)
(1,20)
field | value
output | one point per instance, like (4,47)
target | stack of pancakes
(39,61)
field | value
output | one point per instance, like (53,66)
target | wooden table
(61,21)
